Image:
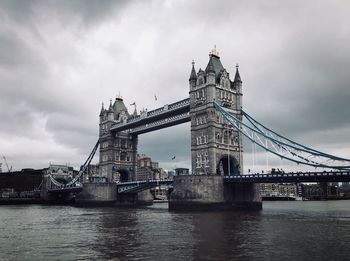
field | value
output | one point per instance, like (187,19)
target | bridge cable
(243,128)
(81,171)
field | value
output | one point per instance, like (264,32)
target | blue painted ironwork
(281,146)
(178,109)
(293,144)
(164,123)
(137,186)
(62,190)
(325,176)
(74,182)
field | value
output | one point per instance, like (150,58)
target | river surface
(318,230)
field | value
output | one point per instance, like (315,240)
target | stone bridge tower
(118,150)
(215,147)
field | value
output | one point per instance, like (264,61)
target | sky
(59,60)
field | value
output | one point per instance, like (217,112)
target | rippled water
(282,231)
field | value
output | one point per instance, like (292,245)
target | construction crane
(9,169)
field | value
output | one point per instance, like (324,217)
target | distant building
(321,191)
(278,189)
(182,171)
(23,180)
(148,169)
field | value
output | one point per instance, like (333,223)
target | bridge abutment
(106,194)
(97,194)
(209,192)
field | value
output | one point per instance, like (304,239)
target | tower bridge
(214,110)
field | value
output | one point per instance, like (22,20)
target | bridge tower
(216,149)
(118,150)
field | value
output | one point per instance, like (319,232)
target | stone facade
(118,151)
(215,147)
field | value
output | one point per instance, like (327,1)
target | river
(313,230)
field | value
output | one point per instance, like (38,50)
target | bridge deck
(339,176)
(163,117)
(136,186)
(65,190)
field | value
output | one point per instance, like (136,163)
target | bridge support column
(208,192)
(101,194)
(141,198)
(243,196)
(97,194)
(145,198)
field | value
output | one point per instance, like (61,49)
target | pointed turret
(237,85)
(237,76)
(214,64)
(110,106)
(193,75)
(110,111)
(119,106)
(210,66)
(102,110)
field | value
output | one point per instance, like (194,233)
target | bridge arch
(124,175)
(227,166)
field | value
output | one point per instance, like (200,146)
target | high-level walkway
(166,116)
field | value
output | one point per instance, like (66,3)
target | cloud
(60,59)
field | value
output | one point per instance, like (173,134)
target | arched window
(123,156)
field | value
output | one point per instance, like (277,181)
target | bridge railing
(136,186)
(161,122)
(326,176)
(279,145)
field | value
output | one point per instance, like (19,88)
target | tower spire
(193,75)
(102,109)
(110,106)
(237,76)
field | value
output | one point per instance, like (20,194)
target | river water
(282,231)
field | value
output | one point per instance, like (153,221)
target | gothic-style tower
(117,150)
(215,147)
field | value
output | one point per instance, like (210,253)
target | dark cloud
(85,12)
(14,52)
(60,59)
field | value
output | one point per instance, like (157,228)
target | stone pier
(105,194)
(208,192)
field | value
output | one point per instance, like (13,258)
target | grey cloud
(14,51)
(87,12)
(294,64)
(162,145)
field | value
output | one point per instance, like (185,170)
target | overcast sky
(60,59)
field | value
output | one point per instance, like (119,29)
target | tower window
(123,156)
